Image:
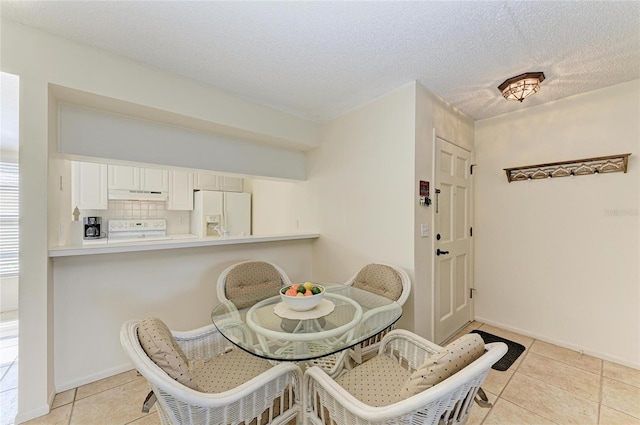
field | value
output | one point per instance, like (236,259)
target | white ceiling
(318,59)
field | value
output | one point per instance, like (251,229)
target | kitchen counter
(176,242)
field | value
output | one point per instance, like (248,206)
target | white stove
(122,231)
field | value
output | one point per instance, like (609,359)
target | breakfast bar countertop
(176,242)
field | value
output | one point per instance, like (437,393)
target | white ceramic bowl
(302,303)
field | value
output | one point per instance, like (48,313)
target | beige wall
(96,294)
(43,63)
(434,117)
(557,259)
(361,181)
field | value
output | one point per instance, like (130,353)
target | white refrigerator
(215,213)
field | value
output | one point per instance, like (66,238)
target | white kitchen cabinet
(154,180)
(210,181)
(89,186)
(135,178)
(180,191)
(230,184)
(206,181)
(124,177)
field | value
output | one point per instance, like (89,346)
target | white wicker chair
(242,282)
(448,402)
(271,396)
(377,284)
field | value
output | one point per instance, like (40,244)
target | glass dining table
(346,317)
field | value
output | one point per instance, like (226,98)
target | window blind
(9,219)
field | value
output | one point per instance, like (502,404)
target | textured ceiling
(318,59)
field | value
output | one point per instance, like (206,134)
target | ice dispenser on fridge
(221,214)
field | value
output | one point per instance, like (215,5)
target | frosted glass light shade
(520,87)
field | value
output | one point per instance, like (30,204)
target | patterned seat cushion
(158,342)
(247,283)
(380,279)
(228,371)
(443,364)
(376,382)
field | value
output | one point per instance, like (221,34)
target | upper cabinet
(206,181)
(211,181)
(89,186)
(134,178)
(154,180)
(180,191)
(230,184)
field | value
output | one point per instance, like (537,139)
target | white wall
(96,294)
(43,61)
(434,117)
(361,182)
(100,134)
(362,196)
(557,259)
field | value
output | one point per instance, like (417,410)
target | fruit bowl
(307,296)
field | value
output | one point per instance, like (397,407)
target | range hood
(136,195)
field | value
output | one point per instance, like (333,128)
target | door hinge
(471,292)
(471,168)
(470,231)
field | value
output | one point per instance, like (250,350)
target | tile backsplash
(177,221)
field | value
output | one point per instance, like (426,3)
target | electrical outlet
(424,230)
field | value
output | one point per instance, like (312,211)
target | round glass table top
(268,328)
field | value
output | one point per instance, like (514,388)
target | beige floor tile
(550,402)
(477,413)
(620,396)
(610,416)
(505,413)
(63,398)
(59,416)
(150,419)
(8,406)
(107,383)
(621,373)
(520,339)
(496,380)
(570,357)
(119,405)
(470,327)
(577,381)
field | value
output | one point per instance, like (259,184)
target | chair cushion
(158,342)
(443,364)
(376,382)
(228,371)
(380,279)
(245,284)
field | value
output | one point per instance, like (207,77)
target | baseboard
(32,414)
(64,386)
(564,344)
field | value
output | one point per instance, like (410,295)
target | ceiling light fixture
(522,86)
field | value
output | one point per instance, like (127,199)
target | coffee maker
(92,228)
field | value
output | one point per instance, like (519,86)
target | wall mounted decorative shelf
(578,167)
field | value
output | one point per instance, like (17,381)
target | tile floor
(546,385)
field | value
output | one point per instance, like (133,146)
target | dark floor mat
(512,355)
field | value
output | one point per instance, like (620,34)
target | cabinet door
(124,177)
(230,184)
(206,181)
(180,191)
(89,186)
(154,180)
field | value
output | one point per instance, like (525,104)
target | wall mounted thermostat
(424,193)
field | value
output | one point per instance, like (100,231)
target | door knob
(438,252)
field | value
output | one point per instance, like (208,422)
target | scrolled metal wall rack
(578,167)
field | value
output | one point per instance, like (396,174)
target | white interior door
(453,240)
